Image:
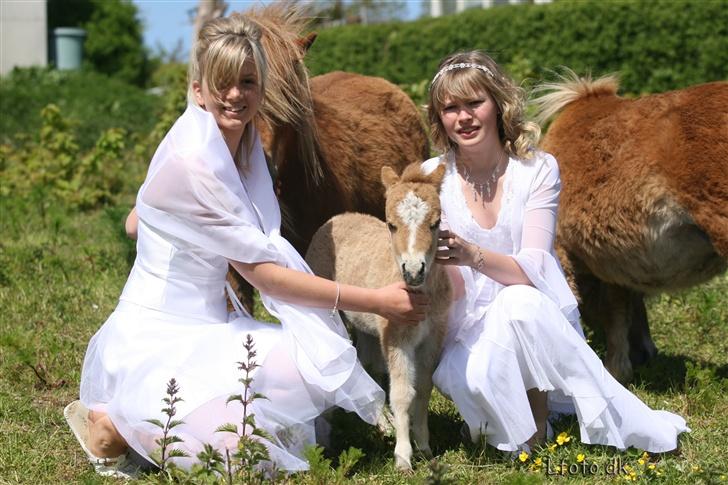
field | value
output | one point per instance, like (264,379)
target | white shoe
(76,416)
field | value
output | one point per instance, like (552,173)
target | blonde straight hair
(222,47)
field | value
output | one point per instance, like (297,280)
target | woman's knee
(519,296)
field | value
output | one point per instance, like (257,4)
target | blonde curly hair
(518,136)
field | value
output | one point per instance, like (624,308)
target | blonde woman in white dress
(207,202)
(515,349)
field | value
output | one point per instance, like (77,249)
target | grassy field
(61,274)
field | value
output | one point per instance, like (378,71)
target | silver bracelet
(336,303)
(480,262)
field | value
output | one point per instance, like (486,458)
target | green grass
(61,274)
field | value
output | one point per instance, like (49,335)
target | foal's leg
(401,394)
(424,360)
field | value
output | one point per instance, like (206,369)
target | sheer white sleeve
(536,256)
(189,200)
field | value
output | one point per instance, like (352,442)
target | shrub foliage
(656,45)
(50,166)
(97,103)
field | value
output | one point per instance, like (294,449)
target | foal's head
(413,217)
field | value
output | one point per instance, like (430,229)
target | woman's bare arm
(393,302)
(131,224)
(499,267)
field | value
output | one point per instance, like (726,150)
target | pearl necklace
(487,188)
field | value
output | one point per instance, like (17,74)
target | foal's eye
(391,227)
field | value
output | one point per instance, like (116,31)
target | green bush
(50,167)
(96,101)
(656,45)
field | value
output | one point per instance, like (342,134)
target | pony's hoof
(620,369)
(427,453)
(642,353)
(402,464)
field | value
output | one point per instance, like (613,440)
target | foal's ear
(437,175)
(389,176)
(306,42)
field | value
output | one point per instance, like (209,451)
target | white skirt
(525,342)
(132,357)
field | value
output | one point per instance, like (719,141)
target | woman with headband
(515,350)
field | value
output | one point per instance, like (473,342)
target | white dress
(196,212)
(503,341)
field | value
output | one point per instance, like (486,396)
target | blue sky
(168,21)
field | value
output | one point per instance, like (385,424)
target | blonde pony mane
(288,98)
(570,88)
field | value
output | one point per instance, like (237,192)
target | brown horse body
(362,123)
(644,201)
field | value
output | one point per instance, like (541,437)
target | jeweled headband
(461,65)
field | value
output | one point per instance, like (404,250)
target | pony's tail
(555,96)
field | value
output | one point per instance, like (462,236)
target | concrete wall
(23,34)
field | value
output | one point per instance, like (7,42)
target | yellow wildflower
(562,438)
(523,456)
(552,447)
(651,466)
(641,461)
(538,461)
(646,456)
(580,457)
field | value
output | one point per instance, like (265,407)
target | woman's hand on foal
(402,306)
(452,249)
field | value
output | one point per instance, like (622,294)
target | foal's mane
(413,173)
(568,89)
(288,100)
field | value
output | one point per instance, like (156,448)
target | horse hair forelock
(568,89)
(288,99)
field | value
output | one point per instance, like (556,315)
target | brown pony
(327,139)
(644,202)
